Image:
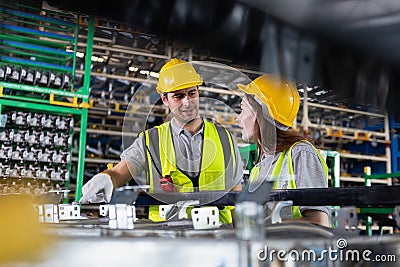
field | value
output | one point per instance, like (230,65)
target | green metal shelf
(37,64)
(46,41)
(43,90)
(32,40)
(55,36)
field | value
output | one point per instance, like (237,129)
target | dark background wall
(314,43)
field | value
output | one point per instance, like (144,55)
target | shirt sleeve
(308,172)
(136,155)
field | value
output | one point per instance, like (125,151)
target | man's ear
(164,99)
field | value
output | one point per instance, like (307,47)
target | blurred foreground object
(22,236)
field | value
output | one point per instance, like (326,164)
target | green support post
(84,90)
(367,182)
(332,159)
(246,154)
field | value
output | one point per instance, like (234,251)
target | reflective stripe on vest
(218,162)
(278,169)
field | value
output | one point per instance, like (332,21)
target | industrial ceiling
(350,46)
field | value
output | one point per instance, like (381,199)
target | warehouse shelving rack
(359,136)
(395,144)
(38,59)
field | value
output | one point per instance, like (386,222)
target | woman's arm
(313,216)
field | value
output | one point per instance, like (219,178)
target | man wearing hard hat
(186,154)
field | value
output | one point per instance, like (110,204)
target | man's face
(184,104)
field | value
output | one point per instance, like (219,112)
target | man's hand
(99,182)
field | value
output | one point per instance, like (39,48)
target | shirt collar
(176,129)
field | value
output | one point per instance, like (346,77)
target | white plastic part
(163,210)
(177,208)
(39,209)
(205,218)
(68,212)
(121,216)
(50,213)
(103,210)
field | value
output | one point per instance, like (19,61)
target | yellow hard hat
(279,95)
(177,74)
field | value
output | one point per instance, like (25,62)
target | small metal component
(3,120)
(171,211)
(4,135)
(46,139)
(41,174)
(346,220)
(33,119)
(2,72)
(26,172)
(7,73)
(15,74)
(29,78)
(121,216)
(205,218)
(19,136)
(37,76)
(30,138)
(61,123)
(50,213)
(275,216)
(13,171)
(19,118)
(60,139)
(39,209)
(66,82)
(44,156)
(44,79)
(52,80)
(68,211)
(29,155)
(22,76)
(396,214)
(103,210)
(56,175)
(48,121)
(16,154)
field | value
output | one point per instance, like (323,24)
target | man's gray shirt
(187,149)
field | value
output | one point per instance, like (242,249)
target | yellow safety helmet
(177,74)
(279,95)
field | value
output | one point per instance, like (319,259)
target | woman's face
(247,121)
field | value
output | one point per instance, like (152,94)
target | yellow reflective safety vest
(278,168)
(217,163)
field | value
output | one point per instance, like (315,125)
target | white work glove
(99,182)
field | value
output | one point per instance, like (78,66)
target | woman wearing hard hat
(268,111)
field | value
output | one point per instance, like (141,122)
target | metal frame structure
(44,43)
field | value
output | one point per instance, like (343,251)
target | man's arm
(107,181)
(121,173)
